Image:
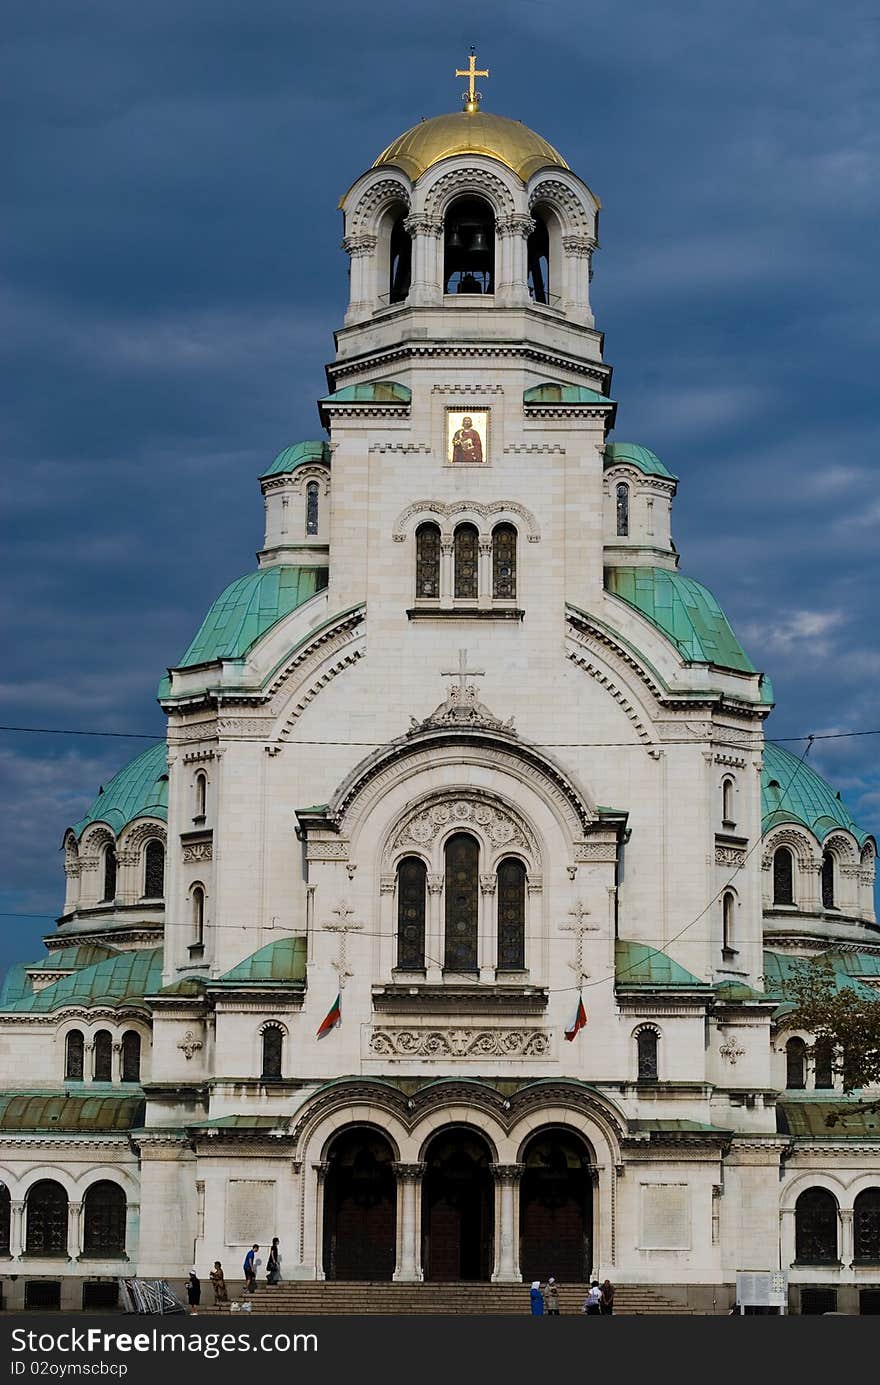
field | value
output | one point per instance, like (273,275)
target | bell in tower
(469,247)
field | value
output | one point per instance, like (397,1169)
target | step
(355,1298)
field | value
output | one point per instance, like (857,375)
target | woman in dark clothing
(606,1302)
(194,1290)
(273,1264)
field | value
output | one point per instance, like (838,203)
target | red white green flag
(578,1020)
(332,1018)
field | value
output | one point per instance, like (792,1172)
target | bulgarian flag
(578,1020)
(332,1018)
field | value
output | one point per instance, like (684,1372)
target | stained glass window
(154,870)
(427,560)
(131,1056)
(273,1044)
(866,1227)
(109,874)
(815,1227)
(783,876)
(623,510)
(504,562)
(46,1219)
(646,1042)
(828,881)
(5,1212)
(312,507)
(73,1058)
(104,1219)
(462,902)
(796,1064)
(511,915)
(411,877)
(824,1064)
(466,561)
(102,1056)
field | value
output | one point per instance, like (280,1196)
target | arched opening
(360,1207)
(866,1227)
(728,922)
(795,1065)
(783,876)
(469,247)
(824,1076)
(412,875)
(102,1056)
(828,880)
(198,915)
(646,1053)
(74,1056)
(467,544)
(622,494)
(556,1207)
(504,562)
(273,1048)
(46,1207)
(131,1056)
(104,1220)
(538,261)
(200,784)
(400,262)
(815,1227)
(312,509)
(511,915)
(727,816)
(457,1207)
(462,902)
(109,874)
(427,561)
(154,870)
(5,1218)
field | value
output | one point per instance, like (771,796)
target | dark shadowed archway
(458,1207)
(556,1207)
(360,1207)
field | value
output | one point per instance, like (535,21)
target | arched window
(74,1051)
(427,561)
(866,1227)
(200,785)
(727,803)
(109,874)
(623,510)
(538,261)
(815,1227)
(466,561)
(400,266)
(824,1077)
(504,562)
(783,876)
(312,507)
(5,1218)
(154,870)
(828,880)
(46,1206)
(646,1043)
(795,1064)
(462,902)
(131,1056)
(273,1044)
(104,1220)
(198,915)
(469,247)
(411,883)
(511,915)
(728,922)
(102,1056)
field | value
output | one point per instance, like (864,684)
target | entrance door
(360,1208)
(556,1208)
(457,1208)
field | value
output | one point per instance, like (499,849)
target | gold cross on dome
(471,96)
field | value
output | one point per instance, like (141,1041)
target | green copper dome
(296,455)
(139,790)
(249,607)
(120,980)
(791,791)
(640,457)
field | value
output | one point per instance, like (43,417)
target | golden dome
(465,132)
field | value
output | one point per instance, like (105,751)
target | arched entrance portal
(556,1207)
(457,1207)
(360,1207)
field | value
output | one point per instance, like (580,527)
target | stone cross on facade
(343,926)
(462,673)
(579,926)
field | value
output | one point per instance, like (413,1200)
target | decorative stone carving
(488,883)
(189,1044)
(194,852)
(507,1173)
(730,1051)
(479,181)
(497,825)
(417,225)
(357,246)
(730,855)
(460,1043)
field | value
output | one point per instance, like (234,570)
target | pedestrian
(551,1298)
(536,1298)
(592,1301)
(251,1265)
(606,1301)
(193,1290)
(273,1263)
(218,1280)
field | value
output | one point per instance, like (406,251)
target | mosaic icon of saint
(467,445)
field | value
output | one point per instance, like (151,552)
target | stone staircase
(322,1298)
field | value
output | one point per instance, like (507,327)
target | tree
(843,1017)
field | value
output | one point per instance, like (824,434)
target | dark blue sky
(173,275)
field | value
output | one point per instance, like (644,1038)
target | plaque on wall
(665,1216)
(250,1211)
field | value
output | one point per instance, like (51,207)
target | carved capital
(358,246)
(409,1172)
(435,883)
(488,883)
(581,247)
(507,1173)
(423,226)
(387,883)
(516,225)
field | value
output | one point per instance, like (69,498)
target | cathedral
(447,935)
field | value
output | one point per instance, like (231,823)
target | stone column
(447,571)
(361,291)
(387,940)
(578,259)
(786,1237)
(117,1063)
(74,1230)
(409,1223)
(320,1177)
(425,286)
(846,1247)
(16,1229)
(484,574)
(511,271)
(133,1223)
(434,940)
(488,940)
(507,1178)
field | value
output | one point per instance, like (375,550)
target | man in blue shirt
(250,1268)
